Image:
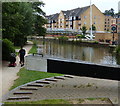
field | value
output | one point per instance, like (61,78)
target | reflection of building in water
(94,55)
(98,55)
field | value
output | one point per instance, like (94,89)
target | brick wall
(106,36)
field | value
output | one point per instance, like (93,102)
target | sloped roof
(53,16)
(75,12)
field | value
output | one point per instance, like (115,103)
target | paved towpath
(69,88)
(9,74)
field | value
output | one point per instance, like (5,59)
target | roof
(74,12)
(53,16)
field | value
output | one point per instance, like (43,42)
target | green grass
(47,101)
(92,99)
(33,49)
(26,76)
(58,101)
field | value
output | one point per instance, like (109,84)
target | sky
(55,6)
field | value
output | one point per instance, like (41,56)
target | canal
(79,52)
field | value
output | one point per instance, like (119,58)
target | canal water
(99,55)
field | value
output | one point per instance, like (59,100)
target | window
(85,17)
(84,22)
(76,18)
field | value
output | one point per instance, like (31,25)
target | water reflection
(99,55)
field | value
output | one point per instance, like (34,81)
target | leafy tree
(11,20)
(20,19)
(16,21)
(93,28)
(27,24)
(39,30)
(84,29)
(109,12)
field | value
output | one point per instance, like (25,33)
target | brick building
(75,19)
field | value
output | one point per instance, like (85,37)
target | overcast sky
(55,6)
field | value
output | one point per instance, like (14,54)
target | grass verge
(33,49)
(63,101)
(26,76)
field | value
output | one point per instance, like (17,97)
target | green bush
(118,49)
(7,48)
(63,38)
(96,42)
(80,36)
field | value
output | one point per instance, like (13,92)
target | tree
(20,19)
(17,20)
(11,20)
(84,29)
(39,30)
(109,12)
(93,28)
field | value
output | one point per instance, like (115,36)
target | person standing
(22,53)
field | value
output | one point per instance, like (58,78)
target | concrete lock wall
(83,69)
(36,62)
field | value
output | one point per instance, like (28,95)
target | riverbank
(77,41)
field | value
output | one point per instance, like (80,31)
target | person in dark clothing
(22,53)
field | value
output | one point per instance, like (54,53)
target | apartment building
(75,19)
(109,22)
(118,24)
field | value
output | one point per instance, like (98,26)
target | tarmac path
(9,74)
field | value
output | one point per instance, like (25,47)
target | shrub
(80,36)
(96,42)
(63,38)
(7,48)
(118,49)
